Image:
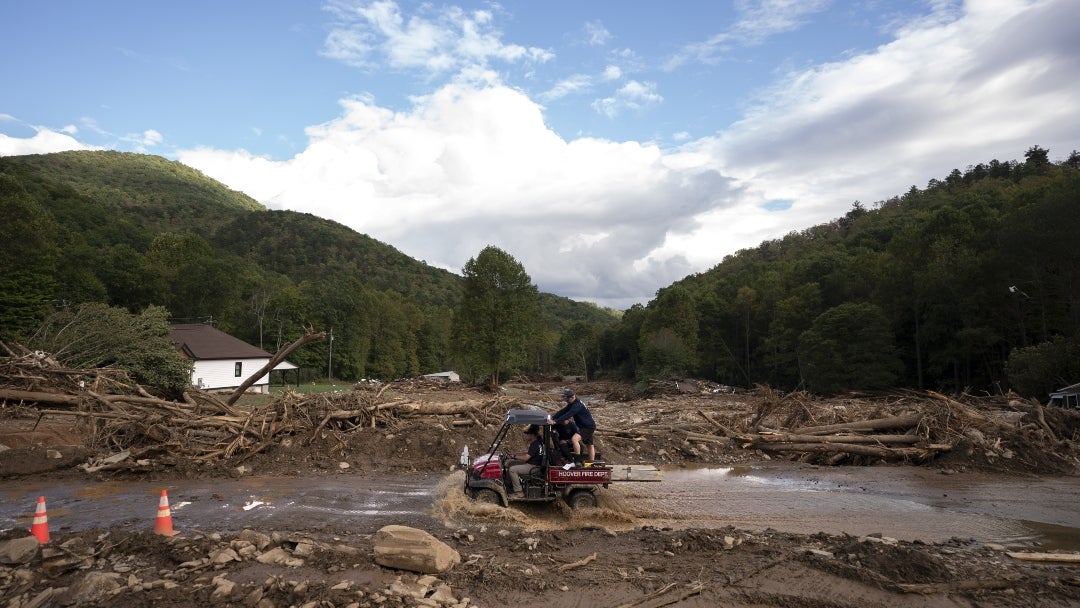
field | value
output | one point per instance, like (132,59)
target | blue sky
(610,147)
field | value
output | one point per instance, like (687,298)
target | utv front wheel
(486,496)
(581,499)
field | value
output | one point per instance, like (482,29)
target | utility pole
(330,362)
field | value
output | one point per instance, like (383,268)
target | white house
(221,361)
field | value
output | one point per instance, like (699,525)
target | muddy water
(903,503)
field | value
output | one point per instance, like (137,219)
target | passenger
(568,439)
(522,464)
(576,410)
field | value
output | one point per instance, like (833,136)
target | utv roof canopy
(526,417)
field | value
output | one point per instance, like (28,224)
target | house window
(239,367)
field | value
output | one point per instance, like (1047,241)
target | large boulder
(406,548)
(19,550)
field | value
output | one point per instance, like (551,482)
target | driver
(522,464)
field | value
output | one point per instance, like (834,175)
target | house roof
(1072,389)
(201,342)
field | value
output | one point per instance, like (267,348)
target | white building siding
(221,373)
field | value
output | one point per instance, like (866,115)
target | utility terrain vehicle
(487,477)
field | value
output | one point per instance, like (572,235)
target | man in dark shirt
(568,439)
(524,462)
(581,415)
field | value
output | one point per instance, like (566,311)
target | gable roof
(198,341)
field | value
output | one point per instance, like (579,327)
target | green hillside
(969,284)
(133,230)
(155,192)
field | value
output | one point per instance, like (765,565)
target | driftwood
(1069,558)
(965,585)
(577,564)
(851,448)
(881,424)
(309,336)
(845,438)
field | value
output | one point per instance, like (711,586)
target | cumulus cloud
(465,168)
(44,141)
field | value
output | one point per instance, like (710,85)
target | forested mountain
(133,230)
(972,283)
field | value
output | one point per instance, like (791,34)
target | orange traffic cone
(163,525)
(40,528)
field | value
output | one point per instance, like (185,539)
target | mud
(725,527)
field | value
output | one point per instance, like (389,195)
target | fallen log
(1070,558)
(309,336)
(700,437)
(850,448)
(846,438)
(965,585)
(880,424)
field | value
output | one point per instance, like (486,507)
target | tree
(95,335)
(669,335)
(1037,370)
(578,347)
(497,315)
(849,347)
(28,259)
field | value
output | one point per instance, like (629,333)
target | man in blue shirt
(575,409)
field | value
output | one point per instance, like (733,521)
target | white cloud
(43,141)
(367,33)
(757,21)
(953,89)
(567,86)
(633,96)
(466,167)
(612,72)
(596,34)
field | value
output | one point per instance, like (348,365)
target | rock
(223,556)
(443,594)
(253,598)
(19,550)
(260,540)
(41,599)
(415,550)
(223,589)
(94,588)
(281,557)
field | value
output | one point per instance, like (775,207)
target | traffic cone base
(163,524)
(40,528)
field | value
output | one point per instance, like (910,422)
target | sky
(611,147)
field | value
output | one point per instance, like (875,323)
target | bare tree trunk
(308,336)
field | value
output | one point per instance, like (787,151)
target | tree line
(971,283)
